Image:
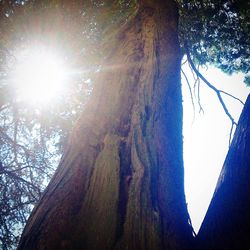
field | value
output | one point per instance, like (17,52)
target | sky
(206,137)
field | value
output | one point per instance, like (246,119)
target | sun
(39,75)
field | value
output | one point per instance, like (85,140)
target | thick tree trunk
(227,222)
(120,183)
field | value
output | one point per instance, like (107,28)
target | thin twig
(234,97)
(18,178)
(199,99)
(230,134)
(184,62)
(190,90)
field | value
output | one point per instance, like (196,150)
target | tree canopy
(32,137)
(217,32)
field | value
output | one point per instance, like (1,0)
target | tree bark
(227,222)
(120,183)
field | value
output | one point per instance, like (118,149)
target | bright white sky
(39,75)
(206,138)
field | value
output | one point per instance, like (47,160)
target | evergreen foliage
(217,32)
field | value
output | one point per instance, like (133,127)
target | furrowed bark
(120,183)
(227,222)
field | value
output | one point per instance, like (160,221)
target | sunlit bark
(227,222)
(120,182)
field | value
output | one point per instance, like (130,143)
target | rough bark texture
(120,183)
(227,222)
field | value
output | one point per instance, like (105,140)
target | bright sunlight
(39,75)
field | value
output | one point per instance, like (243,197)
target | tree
(226,224)
(122,168)
(120,181)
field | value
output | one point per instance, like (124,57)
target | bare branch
(217,91)
(190,90)
(230,134)
(196,83)
(234,97)
(184,62)
(18,178)
(199,99)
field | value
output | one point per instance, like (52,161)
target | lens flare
(39,75)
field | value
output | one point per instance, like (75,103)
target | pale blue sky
(206,138)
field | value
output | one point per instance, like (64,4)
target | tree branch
(217,91)
(190,90)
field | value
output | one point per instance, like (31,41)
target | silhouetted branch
(217,91)
(3,170)
(234,97)
(190,89)
(196,82)
(199,98)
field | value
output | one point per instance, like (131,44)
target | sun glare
(39,75)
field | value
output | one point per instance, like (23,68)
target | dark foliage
(217,32)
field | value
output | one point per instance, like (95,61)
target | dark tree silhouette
(227,222)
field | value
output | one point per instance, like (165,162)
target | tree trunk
(227,222)
(120,182)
